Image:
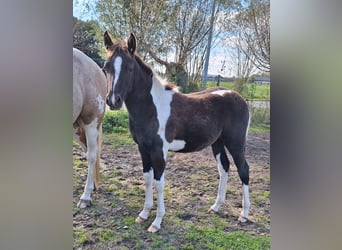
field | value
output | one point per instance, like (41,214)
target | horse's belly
(183,146)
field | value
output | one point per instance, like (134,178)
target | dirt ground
(190,190)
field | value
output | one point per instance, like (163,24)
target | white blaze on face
(220,92)
(117,69)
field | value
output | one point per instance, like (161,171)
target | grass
(260,120)
(255,92)
(211,238)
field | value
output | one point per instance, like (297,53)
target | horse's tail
(98,156)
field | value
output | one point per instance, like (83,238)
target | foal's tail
(98,156)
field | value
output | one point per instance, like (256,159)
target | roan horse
(161,119)
(89,94)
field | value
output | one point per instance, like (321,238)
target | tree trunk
(176,73)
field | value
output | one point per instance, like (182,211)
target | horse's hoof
(243,219)
(153,229)
(212,211)
(139,220)
(83,203)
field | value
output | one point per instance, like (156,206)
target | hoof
(83,203)
(139,220)
(153,229)
(243,219)
(212,211)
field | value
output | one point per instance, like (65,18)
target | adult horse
(89,94)
(161,119)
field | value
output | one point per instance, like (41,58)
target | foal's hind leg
(238,154)
(92,148)
(223,168)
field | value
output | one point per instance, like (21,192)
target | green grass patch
(108,235)
(249,91)
(115,128)
(115,121)
(260,120)
(80,237)
(211,238)
(228,85)
(118,139)
(266,194)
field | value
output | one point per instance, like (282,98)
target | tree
(84,37)
(170,33)
(252,24)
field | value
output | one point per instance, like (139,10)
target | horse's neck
(153,94)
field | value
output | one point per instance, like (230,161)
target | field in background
(251,91)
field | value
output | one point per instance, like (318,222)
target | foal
(161,119)
(89,94)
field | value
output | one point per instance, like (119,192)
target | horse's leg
(223,168)
(158,163)
(238,154)
(92,147)
(148,178)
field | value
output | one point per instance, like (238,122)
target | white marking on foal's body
(162,101)
(100,102)
(176,145)
(117,69)
(221,194)
(92,148)
(221,92)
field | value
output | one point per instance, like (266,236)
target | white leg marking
(148,178)
(221,194)
(117,70)
(245,203)
(160,206)
(91,135)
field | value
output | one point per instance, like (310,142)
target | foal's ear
(132,43)
(107,40)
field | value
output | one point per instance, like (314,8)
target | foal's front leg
(158,158)
(143,215)
(148,178)
(155,226)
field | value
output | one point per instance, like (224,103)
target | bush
(115,121)
(192,87)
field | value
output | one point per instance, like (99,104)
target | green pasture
(250,91)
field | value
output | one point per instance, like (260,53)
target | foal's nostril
(117,99)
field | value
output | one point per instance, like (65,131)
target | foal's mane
(149,71)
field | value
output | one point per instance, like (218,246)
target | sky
(217,52)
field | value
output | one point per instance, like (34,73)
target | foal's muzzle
(117,102)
